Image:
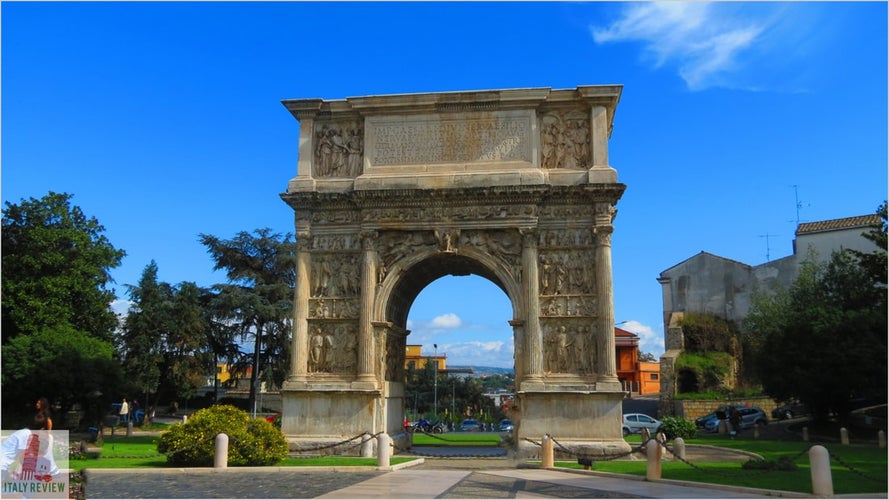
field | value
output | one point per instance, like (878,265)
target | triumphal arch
(395,191)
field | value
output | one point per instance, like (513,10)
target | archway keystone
(393,192)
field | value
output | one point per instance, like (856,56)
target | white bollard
(806,434)
(130,428)
(220,458)
(653,453)
(844,435)
(367,446)
(755,432)
(881,439)
(679,449)
(383,454)
(546,452)
(184,418)
(819,462)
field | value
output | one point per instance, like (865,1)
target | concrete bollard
(755,432)
(546,452)
(130,428)
(678,449)
(653,453)
(184,418)
(383,453)
(819,462)
(844,435)
(806,434)
(367,446)
(881,439)
(220,458)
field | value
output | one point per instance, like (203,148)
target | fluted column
(605,293)
(299,349)
(531,286)
(365,318)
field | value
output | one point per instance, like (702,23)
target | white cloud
(446,321)
(711,44)
(649,341)
(120,306)
(477,353)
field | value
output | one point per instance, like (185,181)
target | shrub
(250,441)
(674,427)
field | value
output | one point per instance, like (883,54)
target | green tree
(258,298)
(823,339)
(55,269)
(63,364)
(164,342)
(141,340)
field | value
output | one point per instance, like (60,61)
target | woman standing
(43,417)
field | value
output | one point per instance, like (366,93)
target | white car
(635,422)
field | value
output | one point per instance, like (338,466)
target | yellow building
(414,359)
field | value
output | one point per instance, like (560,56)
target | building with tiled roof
(710,284)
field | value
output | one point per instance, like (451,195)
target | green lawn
(854,468)
(140,452)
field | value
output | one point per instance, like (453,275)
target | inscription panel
(504,136)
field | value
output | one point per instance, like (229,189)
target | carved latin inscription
(425,139)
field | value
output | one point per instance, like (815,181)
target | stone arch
(454,183)
(410,277)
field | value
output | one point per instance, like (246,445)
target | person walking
(734,418)
(124,411)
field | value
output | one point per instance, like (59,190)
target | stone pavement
(434,478)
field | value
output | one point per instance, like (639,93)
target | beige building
(708,283)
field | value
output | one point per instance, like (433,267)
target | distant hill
(481,371)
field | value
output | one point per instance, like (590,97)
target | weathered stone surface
(394,192)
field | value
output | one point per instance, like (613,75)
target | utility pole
(435,383)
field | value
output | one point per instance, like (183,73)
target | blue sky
(164,121)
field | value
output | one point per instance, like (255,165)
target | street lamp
(435,384)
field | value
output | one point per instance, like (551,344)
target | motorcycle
(428,427)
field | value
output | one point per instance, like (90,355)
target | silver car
(635,422)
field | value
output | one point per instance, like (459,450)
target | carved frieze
(335,275)
(569,347)
(338,149)
(566,272)
(333,348)
(565,139)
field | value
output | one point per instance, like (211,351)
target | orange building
(636,376)
(413,358)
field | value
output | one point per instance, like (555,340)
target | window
(653,376)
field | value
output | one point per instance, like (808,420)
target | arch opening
(422,274)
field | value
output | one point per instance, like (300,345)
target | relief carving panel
(565,139)
(333,348)
(338,150)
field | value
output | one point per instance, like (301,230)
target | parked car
(506,425)
(719,413)
(470,425)
(635,422)
(791,409)
(750,416)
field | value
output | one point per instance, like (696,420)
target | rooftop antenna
(799,204)
(768,249)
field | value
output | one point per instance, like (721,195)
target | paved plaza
(454,478)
